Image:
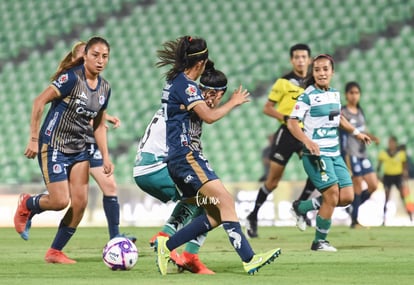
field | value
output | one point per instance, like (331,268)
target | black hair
(299,47)
(351,84)
(311,80)
(213,78)
(182,53)
(95,40)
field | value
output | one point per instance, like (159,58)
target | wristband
(285,118)
(356,132)
(34,139)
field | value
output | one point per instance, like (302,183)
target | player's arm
(38,107)
(210,115)
(297,132)
(115,121)
(99,133)
(347,126)
(270,110)
(274,97)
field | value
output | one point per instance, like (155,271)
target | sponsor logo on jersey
(51,124)
(86,112)
(188,178)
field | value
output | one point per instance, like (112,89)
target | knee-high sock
(111,209)
(307,190)
(322,228)
(238,240)
(63,236)
(196,227)
(355,208)
(260,199)
(309,205)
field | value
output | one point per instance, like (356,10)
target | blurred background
(371,40)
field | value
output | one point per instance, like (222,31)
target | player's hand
(364,138)
(115,121)
(313,147)
(108,167)
(240,96)
(31,149)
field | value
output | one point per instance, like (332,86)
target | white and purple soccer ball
(120,254)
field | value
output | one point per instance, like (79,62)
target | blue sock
(238,240)
(111,208)
(365,195)
(33,204)
(198,226)
(355,207)
(62,237)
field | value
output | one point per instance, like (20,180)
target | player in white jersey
(319,109)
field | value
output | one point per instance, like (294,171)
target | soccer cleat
(251,226)
(57,256)
(128,236)
(25,233)
(300,220)
(22,213)
(323,245)
(192,263)
(260,260)
(152,240)
(163,254)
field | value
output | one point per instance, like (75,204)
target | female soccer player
(355,153)
(319,108)
(151,174)
(185,110)
(77,96)
(106,183)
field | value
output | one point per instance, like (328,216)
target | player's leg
(53,166)
(388,183)
(354,207)
(78,188)
(110,202)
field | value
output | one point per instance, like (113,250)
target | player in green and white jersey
(319,109)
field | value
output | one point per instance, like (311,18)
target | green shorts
(325,171)
(158,182)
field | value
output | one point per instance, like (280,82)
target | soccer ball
(120,254)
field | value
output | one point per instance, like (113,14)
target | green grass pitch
(380,255)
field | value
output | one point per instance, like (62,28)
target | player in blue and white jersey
(77,95)
(319,109)
(107,184)
(355,153)
(185,110)
(151,173)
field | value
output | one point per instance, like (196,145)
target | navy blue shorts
(359,166)
(190,172)
(95,156)
(55,165)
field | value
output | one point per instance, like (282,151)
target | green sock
(322,228)
(308,205)
(192,247)
(180,216)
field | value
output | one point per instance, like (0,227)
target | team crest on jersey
(101,99)
(191,90)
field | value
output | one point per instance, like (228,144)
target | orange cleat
(22,213)
(152,240)
(193,264)
(57,256)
